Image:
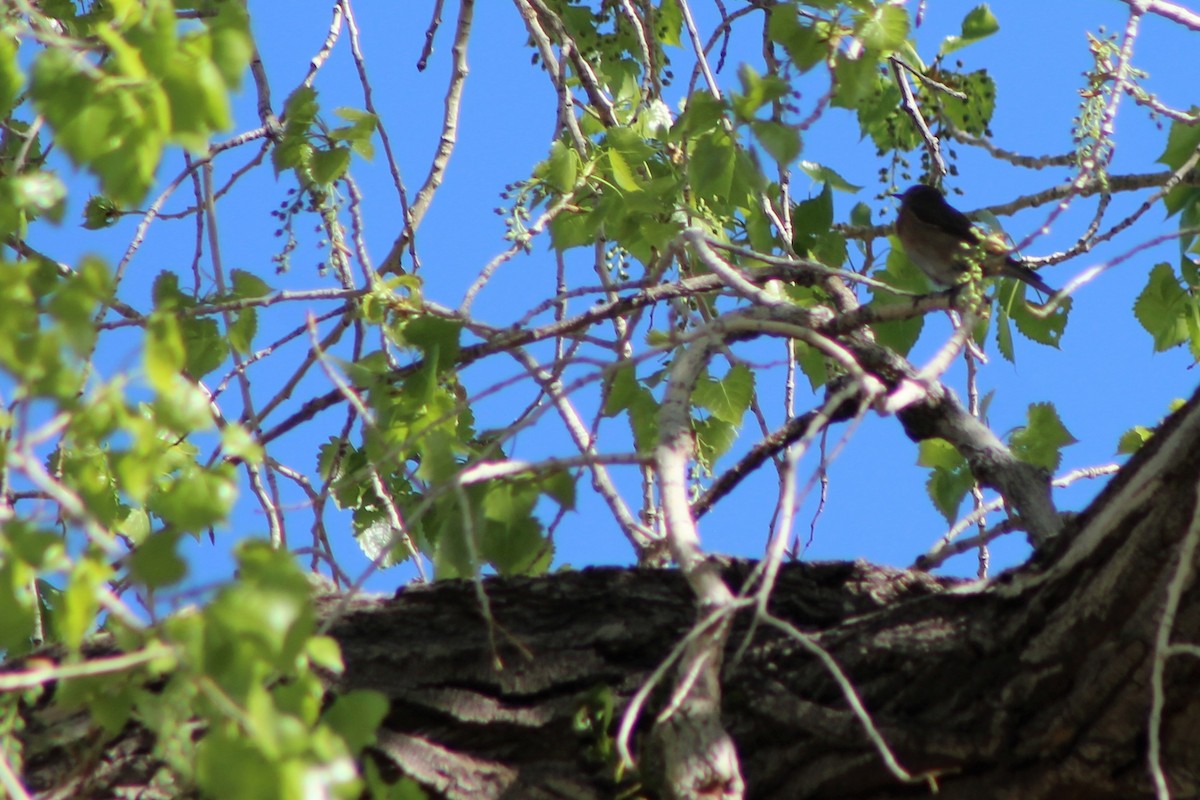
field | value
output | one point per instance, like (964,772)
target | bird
(939,239)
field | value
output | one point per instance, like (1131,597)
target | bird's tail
(1015,269)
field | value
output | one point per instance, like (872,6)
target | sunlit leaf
(1040,441)
(979,23)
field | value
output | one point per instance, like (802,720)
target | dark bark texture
(1036,684)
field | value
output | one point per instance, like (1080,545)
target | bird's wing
(949,219)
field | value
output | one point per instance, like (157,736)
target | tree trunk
(1036,684)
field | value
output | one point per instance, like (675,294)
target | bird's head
(920,196)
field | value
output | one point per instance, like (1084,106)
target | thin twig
(452,106)
(909,104)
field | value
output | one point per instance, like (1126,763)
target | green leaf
(560,485)
(243,326)
(269,606)
(13,219)
(12,80)
(247,285)
(1192,322)
(231,45)
(507,502)
(359,133)
(621,172)
(726,399)
(355,716)
(950,477)
(100,212)
(760,230)
(294,151)
(165,291)
(855,81)
(884,28)
(242,329)
(436,450)
(1162,308)
(901,273)
(702,114)
(164,355)
(860,215)
(205,347)
(630,143)
(517,547)
(979,23)
(830,249)
(436,338)
(75,301)
(562,168)
(198,97)
(668,20)
(328,166)
(1182,141)
(156,562)
(1041,439)
(195,501)
(138,471)
(826,175)
(300,109)
(453,557)
(325,652)
(110,703)
(1189,223)
(621,387)
(811,220)
(757,91)
(87,469)
(1044,329)
(972,115)
(115,121)
(136,525)
(81,600)
(711,166)
(374,535)
(1004,336)
(806,44)
(1182,197)
(781,141)
(37,194)
(1132,440)
(41,549)
(812,364)
(714,437)
(183,407)
(643,417)
(572,229)
(18,613)
(230,765)
(237,442)
(880,117)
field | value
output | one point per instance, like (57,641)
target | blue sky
(1103,380)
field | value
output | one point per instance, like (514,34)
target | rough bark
(1033,685)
